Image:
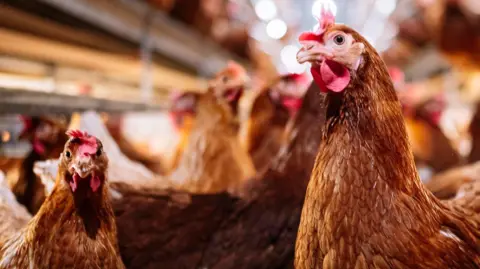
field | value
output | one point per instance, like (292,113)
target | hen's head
(43,132)
(230,83)
(83,163)
(288,91)
(336,53)
(182,104)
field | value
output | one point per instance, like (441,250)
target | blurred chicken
(75,227)
(228,84)
(219,231)
(446,185)
(266,116)
(455,28)
(422,118)
(47,135)
(212,160)
(365,206)
(429,143)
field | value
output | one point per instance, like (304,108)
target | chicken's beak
(314,54)
(82,169)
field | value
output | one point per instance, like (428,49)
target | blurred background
(124,58)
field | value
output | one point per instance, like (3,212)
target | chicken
(219,231)
(47,135)
(262,130)
(212,160)
(228,84)
(75,227)
(365,206)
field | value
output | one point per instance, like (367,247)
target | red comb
(88,144)
(27,124)
(325,20)
(235,68)
(77,133)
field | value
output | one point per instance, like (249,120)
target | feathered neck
(366,119)
(92,212)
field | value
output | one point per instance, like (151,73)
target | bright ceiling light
(276,29)
(289,59)
(266,9)
(324,4)
(386,7)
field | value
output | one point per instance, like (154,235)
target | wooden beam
(38,103)
(19,20)
(119,68)
(124,18)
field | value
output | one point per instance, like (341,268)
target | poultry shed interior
(240,134)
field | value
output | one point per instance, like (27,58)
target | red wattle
(331,76)
(293,104)
(38,147)
(318,79)
(95,183)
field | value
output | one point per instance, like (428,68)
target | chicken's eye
(339,39)
(68,154)
(99,152)
(225,79)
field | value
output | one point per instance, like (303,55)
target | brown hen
(212,160)
(365,206)
(75,227)
(47,135)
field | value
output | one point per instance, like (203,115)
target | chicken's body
(75,227)
(365,206)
